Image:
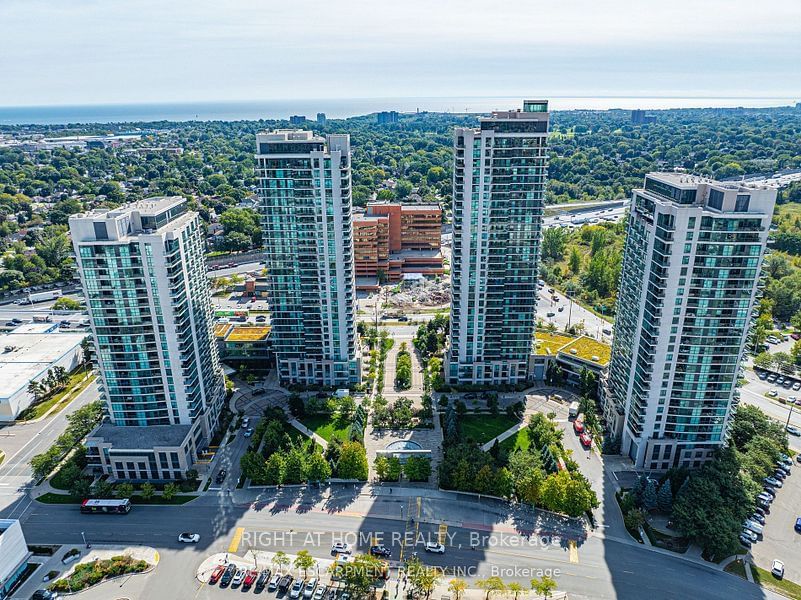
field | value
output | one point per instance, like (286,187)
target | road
(512,546)
(573,313)
(21,442)
(753,392)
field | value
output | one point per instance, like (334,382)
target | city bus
(111,507)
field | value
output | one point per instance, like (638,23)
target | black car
(261,582)
(258,392)
(745,541)
(380,550)
(758,518)
(760,512)
(226,578)
(44,595)
(284,584)
(221,476)
(11,324)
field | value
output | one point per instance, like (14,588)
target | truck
(41,318)
(342,393)
(43,296)
(573,409)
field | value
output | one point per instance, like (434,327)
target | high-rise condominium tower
(305,205)
(690,278)
(143,272)
(498,192)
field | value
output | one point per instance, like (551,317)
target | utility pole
(789,414)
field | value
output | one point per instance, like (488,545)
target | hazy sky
(115,51)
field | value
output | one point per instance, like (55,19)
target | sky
(61,52)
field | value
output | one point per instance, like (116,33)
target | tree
(417,468)
(649,495)
(491,585)
(516,589)
(544,586)
(148,491)
(388,468)
(352,462)
(664,499)
(360,574)
(253,466)
(764,360)
(280,560)
(528,475)
(304,560)
(423,579)
(274,469)
(295,468)
(80,487)
(457,588)
(553,243)
(170,491)
(36,390)
(123,490)
(575,260)
(318,468)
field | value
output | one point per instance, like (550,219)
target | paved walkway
(308,432)
(505,435)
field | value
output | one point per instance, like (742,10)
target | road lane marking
(571,546)
(443,534)
(234,546)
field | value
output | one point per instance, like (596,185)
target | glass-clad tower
(499,178)
(305,206)
(143,272)
(689,282)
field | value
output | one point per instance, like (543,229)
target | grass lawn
(520,441)
(73,385)
(736,567)
(326,426)
(781,586)
(483,428)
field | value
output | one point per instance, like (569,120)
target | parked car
(745,541)
(586,439)
(772,377)
(753,526)
(239,577)
(773,393)
(320,592)
(284,583)
(769,491)
(226,578)
(762,375)
(578,425)
(250,579)
(435,547)
(296,590)
(248,432)
(750,535)
(777,568)
(550,314)
(772,481)
(561,308)
(258,392)
(765,497)
(792,430)
(189,538)
(470,396)
(340,548)
(308,589)
(220,476)
(797,386)
(797,526)
(380,550)
(759,511)
(45,595)
(780,475)
(273,585)
(758,518)
(216,574)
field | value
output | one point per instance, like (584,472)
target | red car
(215,576)
(250,579)
(796,336)
(578,426)
(586,439)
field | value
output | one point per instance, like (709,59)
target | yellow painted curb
(234,546)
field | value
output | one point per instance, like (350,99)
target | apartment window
(742,203)
(715,199)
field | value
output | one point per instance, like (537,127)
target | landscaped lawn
(73,385)
(326,426)
(483,428)
(736,567)
(519,441)
(782,586)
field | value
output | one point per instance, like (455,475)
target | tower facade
(689,283)
(499,178)
(306,210)
(143,271)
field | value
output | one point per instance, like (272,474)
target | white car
(340,548)
(777,568)
(435,548)
(248,432)
(773,393)
(189,538)
(308,589)
(297,589)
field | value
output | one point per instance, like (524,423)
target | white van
(573,409)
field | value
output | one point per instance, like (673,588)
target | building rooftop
(133,438)
(690,181)
(588,349)
(248,333)
(550,343)
(222,329)
(28,355)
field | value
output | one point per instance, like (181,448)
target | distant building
(306,211)
(640,117)
(28,353)
(245,344)
(387,117)
(688,286)
(13,557)
(321,119)
(143,272)
(297,120)
(499,178)
(571,354)
(391,240)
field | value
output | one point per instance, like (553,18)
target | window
(742,202)
(715,199)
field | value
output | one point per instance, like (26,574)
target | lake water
(340,108)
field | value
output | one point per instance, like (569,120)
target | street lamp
(789,414)
(87,544)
